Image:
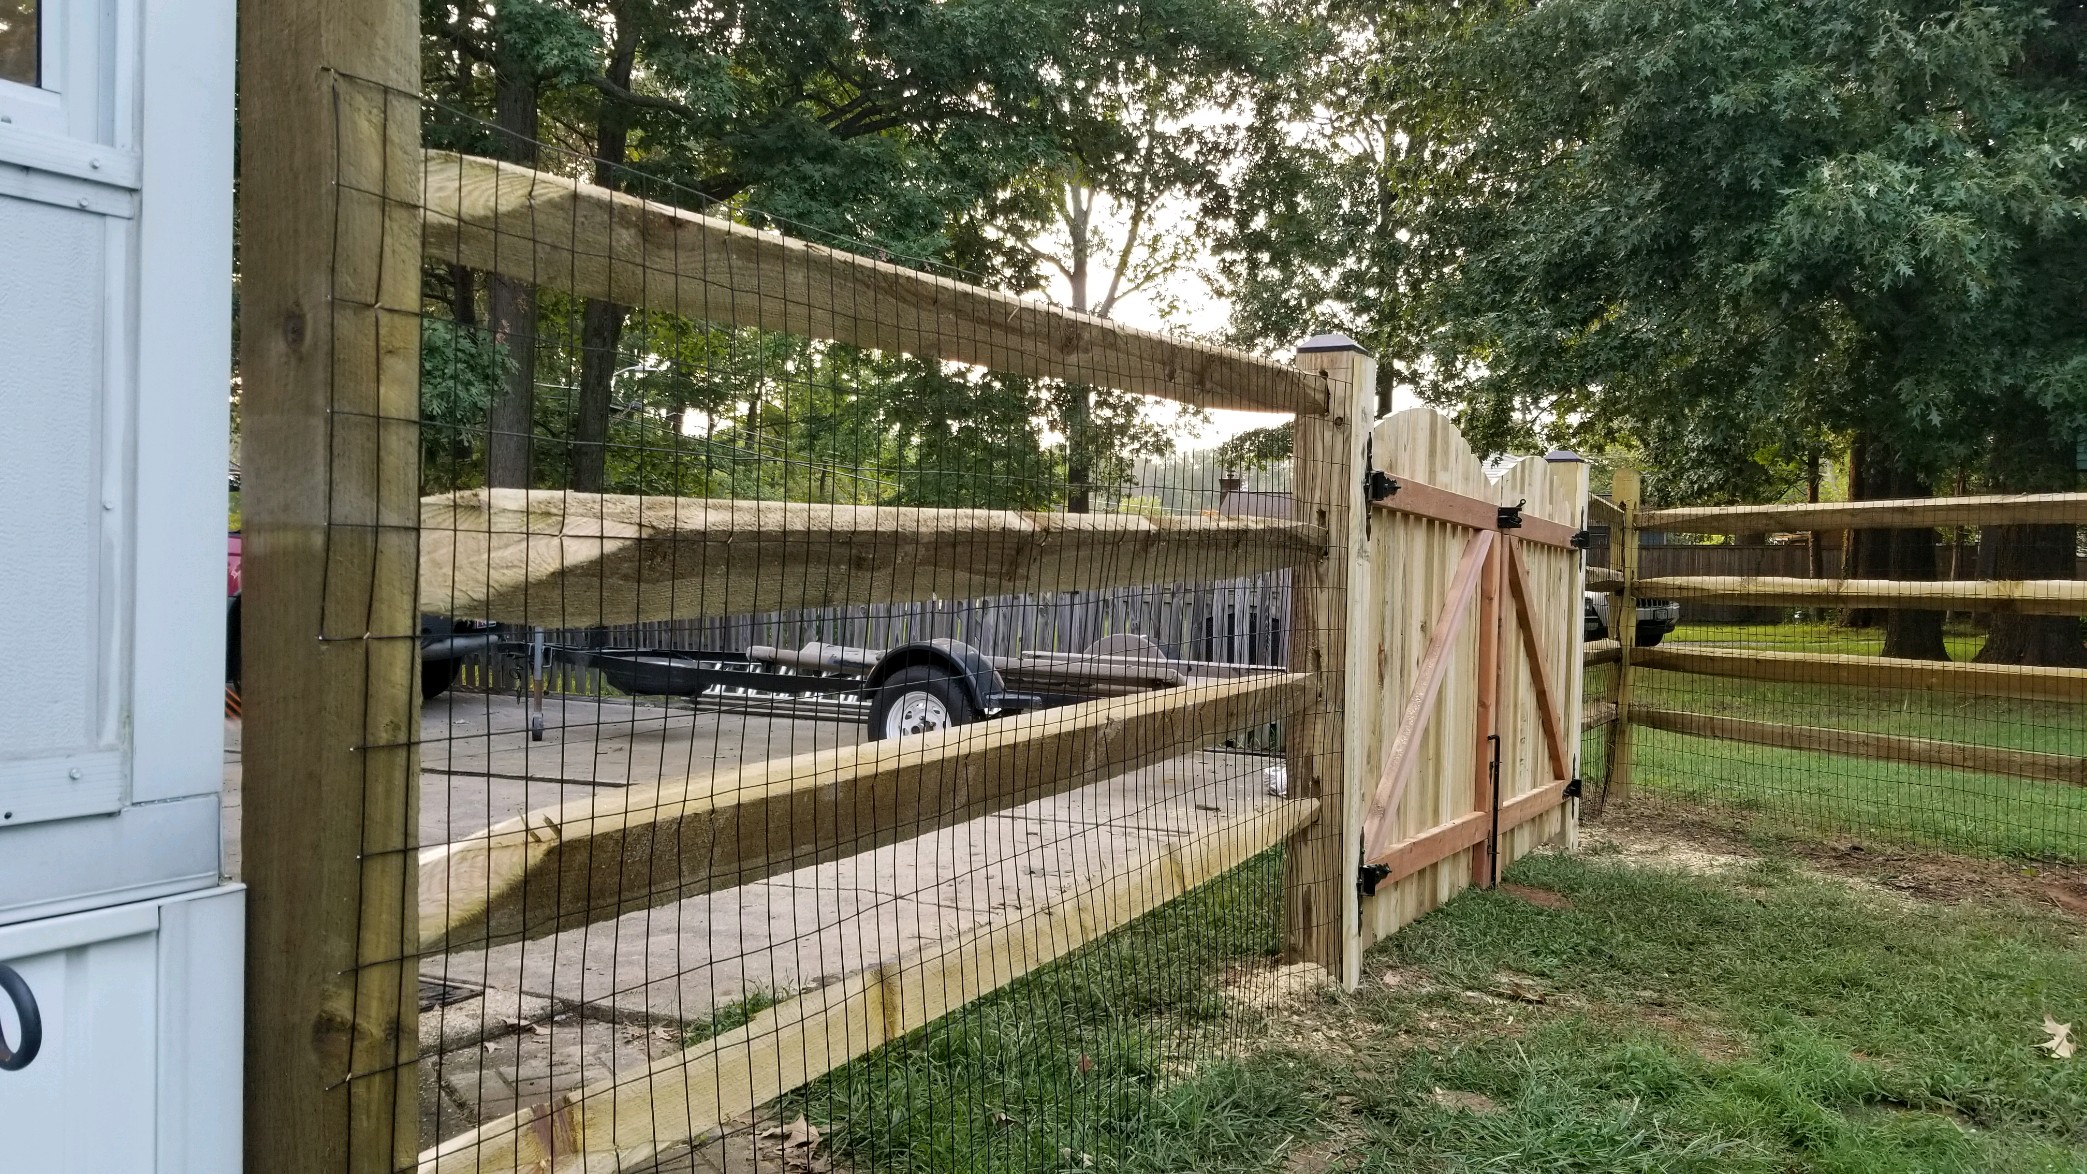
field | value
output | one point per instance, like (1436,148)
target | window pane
(19,56)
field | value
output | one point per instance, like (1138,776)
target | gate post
(1628,490)
(329,354)
(1321,911)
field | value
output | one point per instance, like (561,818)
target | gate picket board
(1411,560)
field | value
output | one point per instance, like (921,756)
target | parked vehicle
(443,642)
(915,687)
(1656,618)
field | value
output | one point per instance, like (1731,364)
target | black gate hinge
(1581,540)
(1380,485)
(1511,515)
(1370,876)
(1572,789)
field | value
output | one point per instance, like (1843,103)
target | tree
(932,132)
(1716,232)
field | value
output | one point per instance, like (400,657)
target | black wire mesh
(686,579)
(1986,799)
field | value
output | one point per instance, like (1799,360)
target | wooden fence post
(329,353)
(1628,490)
(1321,914)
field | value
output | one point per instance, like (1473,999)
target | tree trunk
(1866,555)
(601,322)
(463,295)
(1876,472)
(1907,555)
(511,306)
(2034,458)
(1813,564)
(2031,552)
(1079,469)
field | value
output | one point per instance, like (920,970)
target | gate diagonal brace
(1420,705)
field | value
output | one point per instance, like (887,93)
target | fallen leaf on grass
(2060,1045)
(1463,1102)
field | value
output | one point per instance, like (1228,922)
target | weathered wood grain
(2063,597)
(565,559)
(626,1121)
(598,858)
(329,248)
(2027,764)
(2027,682)
(555,231)
(1915,512)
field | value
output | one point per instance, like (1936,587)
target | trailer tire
(436,676)
(918,699)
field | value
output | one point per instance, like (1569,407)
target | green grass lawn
(1839,794)
(1766,1020)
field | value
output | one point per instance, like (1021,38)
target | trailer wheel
(919,699)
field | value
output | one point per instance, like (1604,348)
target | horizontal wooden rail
(558,559)
(1595,652)
(1439,843)
(2063,597)
(1874,672)
(626,1120)
(2027,764)
(1596,715)
(597,858)
(1446,505)
(1604,579)
(1911,512)
(555,231)
(1603,512)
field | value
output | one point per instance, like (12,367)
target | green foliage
(1069,1067)
(1258,448)
(460,368)
(1719,232)
(935,132)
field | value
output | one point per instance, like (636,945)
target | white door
(115,291)
(134,1017)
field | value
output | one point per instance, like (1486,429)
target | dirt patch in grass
(1535,896)
(1707,843)
(1269,986)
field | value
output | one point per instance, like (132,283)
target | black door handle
(16,1058)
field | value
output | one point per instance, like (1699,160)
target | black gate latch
(1511,515)
(1572,789)
(1380,484)
(1370,876)
(1581,540)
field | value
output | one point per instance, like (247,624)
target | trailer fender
(982,682)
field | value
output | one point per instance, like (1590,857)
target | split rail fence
(1431,680)
(1921,749)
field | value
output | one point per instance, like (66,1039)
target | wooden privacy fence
(2060,597)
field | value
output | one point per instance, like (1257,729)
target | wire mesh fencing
(858,723)
(1797,690)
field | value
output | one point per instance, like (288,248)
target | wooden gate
(1464,687)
